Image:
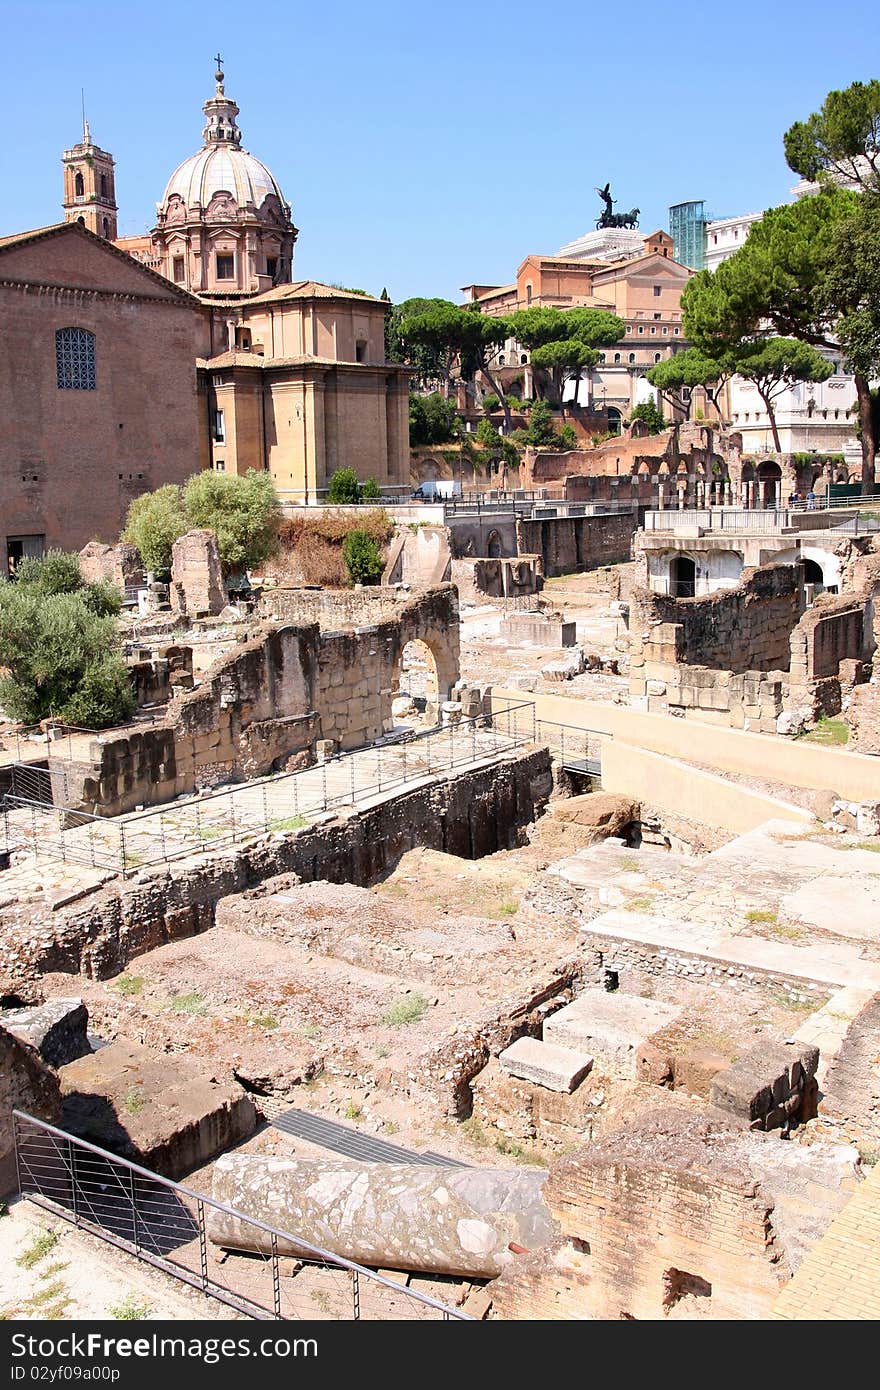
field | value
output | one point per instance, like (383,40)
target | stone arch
(494,547)
(824,561)
(769,480)
(682,575)
(431,619)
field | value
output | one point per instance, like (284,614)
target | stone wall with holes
(331,608)
(269,701)
(472,814)
(667,1217)
(569,544)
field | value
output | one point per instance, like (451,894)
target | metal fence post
(324,781)
(71,1156)
(351,768)
(379,765)
(203,1244)
(356,1294)
(134,1212)
(122,845)
(232,813)
(265,809)
(276,1278)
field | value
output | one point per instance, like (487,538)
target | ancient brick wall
(671,1222)
(71,461)
(271,698)
(569,544)
(26,1083)
(330,608)
(472,814)
(746,628)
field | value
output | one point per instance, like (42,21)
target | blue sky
(426,146)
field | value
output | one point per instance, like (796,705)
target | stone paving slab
(610,1026)
(546,1064)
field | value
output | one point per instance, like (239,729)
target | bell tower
(90,186)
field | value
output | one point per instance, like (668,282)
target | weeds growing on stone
(134,1101)
(191,1003)
(508,908)
(129,1310)
(127,984)
(353,1111)
(759,915)
(288,823)
(42,1242)
(831,732)
(406,1011)
(639,905)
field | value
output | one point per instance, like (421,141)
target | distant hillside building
(812,417)
(644,290)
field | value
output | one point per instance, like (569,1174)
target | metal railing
(285,801)
(166,1225)
(577,749)
(51,739)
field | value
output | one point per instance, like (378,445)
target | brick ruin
(675,1215)
(282,689)
(750,656)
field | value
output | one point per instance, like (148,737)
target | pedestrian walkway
(95,847)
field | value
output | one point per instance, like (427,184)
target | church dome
(221,168)
(221,165)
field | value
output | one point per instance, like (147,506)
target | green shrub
(490,402)
(568,437)
(344,487)
(243,512)
(59,650)
(651,414)
(103,697)
(408,1010)
(370,491)
(362,558)
(432,419)
(154,522)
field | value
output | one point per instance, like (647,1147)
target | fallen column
(397,1216)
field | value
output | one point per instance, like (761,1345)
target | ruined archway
(416,693)
(769,480)
(493,546)
(682,576)
(424,656)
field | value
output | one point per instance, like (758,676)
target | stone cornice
(75,292)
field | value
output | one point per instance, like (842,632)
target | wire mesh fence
(170,1226)
(282,802)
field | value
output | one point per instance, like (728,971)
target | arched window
(79,187)
(617,356)
(75,359)
(528,294)
(632,357)
(656,357)
(103,185)
(523,358)
(105,226)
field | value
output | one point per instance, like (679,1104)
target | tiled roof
(310,289)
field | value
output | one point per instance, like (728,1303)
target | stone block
(768,1085)
(55,1029)
(557,1068)
(609,1027)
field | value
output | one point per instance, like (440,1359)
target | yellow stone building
(296,381)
